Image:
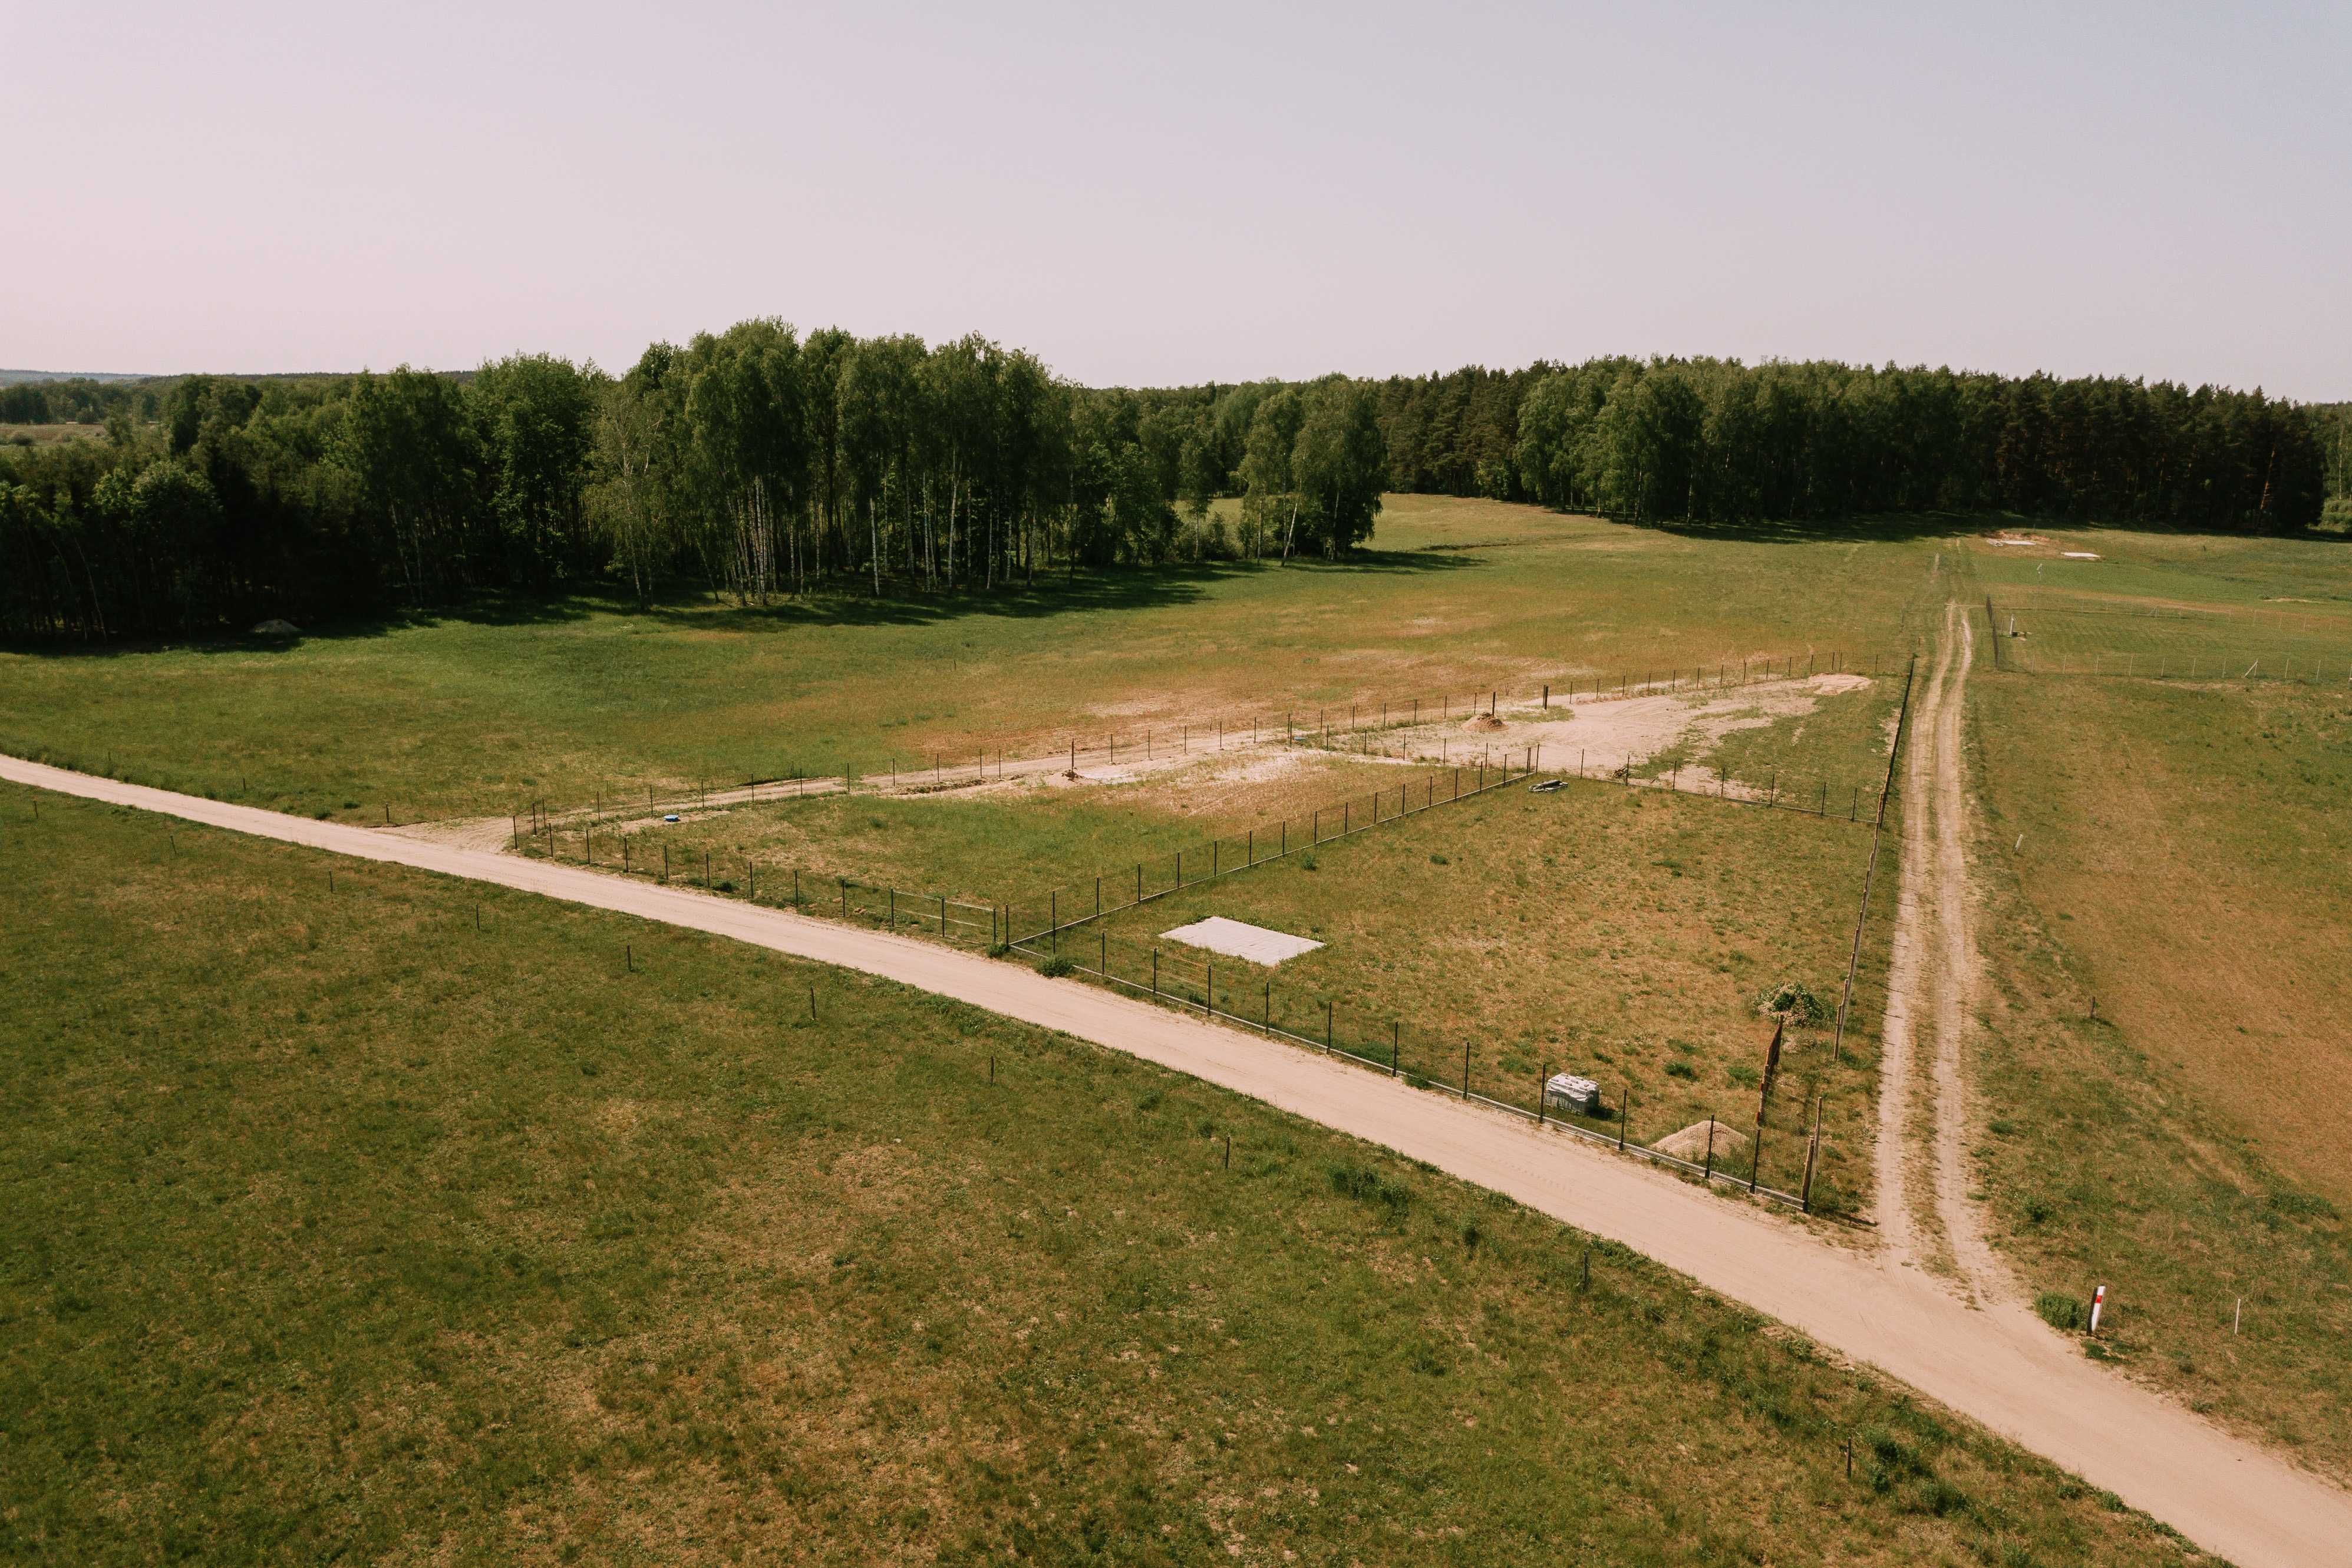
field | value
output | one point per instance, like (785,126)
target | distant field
(2176,606)
(2184,860)
(339,1229)
(472,713)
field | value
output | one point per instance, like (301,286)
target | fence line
(1280,846)
(1392,1064)
(1870,870)
(1176,980)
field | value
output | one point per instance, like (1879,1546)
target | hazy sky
(1235,191)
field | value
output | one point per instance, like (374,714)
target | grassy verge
(2176,855)
(338,1228)
(469,714)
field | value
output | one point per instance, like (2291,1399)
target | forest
(761,461)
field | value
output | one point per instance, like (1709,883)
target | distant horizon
(1160,200)
(21,377)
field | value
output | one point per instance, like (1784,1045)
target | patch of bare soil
(1605,734)
(461,832)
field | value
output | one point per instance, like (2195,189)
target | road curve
(1997,1364)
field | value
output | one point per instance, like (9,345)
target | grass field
(473,712)
(337,1228)
(1010,844)
(2182,862)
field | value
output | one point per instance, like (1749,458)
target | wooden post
(1396,1044)
(1543,1071)
(1155,974)
(1812,1154)
(1465,1069)
(1710,1150)
(943,914)
(1624,1116)
(1209,994)
(1327,1024)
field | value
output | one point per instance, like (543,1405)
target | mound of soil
(1482,724)
(1690,1143)
(277,629)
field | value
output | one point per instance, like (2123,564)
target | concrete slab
(1239,939)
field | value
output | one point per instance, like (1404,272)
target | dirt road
(1924,1214)
(1996,1363)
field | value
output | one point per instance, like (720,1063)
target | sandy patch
(462,833)
(1604,735)
(1690,1143)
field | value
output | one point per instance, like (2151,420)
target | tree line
(749,464)
(1713,440)
(760,461)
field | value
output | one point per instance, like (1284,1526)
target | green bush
(1053,966)
(1791,1000)
(1681,1070)
(2061,1312)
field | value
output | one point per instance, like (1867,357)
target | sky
(1147,198)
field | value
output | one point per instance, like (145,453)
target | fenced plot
(1625,934)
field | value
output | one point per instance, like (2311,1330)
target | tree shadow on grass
(1090,591)
(840,603)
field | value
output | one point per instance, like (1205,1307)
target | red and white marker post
(2098,1304)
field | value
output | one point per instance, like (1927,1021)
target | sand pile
(1690,1143)
(1482,724)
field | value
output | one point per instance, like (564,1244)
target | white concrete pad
(1239,939)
